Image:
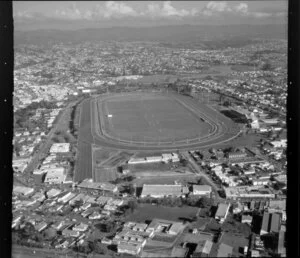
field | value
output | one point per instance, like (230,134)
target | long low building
(88,183)
(160,191)
(222,212)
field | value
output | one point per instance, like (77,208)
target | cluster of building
(53,170)
(30,206)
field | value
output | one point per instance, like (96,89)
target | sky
(32,15)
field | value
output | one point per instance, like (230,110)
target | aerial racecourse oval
(152,121)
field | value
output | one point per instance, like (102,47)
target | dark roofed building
(275,223)
(265,223)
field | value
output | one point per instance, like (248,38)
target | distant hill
(166,34)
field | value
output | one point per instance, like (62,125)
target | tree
(206,202)
(132,204)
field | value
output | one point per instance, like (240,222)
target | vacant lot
(150,118)
(105,174)
(148,212)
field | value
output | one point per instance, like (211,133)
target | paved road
(200,172)
(44,149)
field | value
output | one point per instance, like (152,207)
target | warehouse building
(160,191)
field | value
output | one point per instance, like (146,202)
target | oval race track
(223,130)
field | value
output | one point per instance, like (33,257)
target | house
(236,155)
(247,219)
(81,227)
(222,212)
(176,228)
(40,226)
(70,233)
(85,206)
(22,190)
(67,197)
(95,215)
(129,248)
(53,193)
(106,241)
(224,250)
(201,190)
(57,225)
(203,249)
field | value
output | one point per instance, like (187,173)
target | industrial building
(165,157)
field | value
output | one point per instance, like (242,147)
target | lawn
(148,212)
(150,118)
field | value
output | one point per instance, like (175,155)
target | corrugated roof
(161,190)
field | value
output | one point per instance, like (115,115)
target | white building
(201,189)
(60,148)
(55,176)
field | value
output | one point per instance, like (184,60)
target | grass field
(104,174)
(148,212)
(101,155)
(151,119)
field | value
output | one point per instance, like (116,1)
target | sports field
(151,119)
